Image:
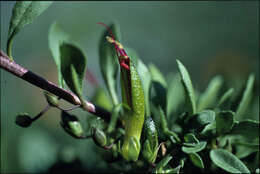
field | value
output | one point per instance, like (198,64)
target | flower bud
(23,120)
(51,99)
(99,137)
(71,125)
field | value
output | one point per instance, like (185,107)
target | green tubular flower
(133,97)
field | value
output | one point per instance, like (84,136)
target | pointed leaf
(225,97)
(163,163)
(209,97)
(101,98)
(158,88)
(24,12)
(175,95)
(73,67)
(157,75)
(108,61)
(196,160)
(227,161)
(187,84)
(56,38)
(247,95)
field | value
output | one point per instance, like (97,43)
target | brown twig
(36,80)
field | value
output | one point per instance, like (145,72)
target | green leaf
(56,38)
(175,95)
(101,98)
(146,83)
(196,160)
(247,95)
(115,114)
(157,76)
(159,167)
(172,135)
(209,97)
(227,161)
(190,139)
(187,84)
(108,61)
(225,97)
(73,67)
(247,131)
(158,95)
(24,12)
(209,129)
(245,149)
(201,119)
(158,88)
(225,121)
(197,148)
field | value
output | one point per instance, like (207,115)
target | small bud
(71,125)
(99,137)
(23,120)
(51,99)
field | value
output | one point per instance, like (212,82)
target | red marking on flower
(121,54)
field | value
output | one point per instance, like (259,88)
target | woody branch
(36,80)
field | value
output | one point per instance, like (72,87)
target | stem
(9,49)
(36,80)
(69,109)
(41,113)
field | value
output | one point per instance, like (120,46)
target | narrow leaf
(188,88)
(209,97)
(56,38)
(175,95)
(108,61)
(158,93)
(101,98)
(247,95)
(157,75)
(227,161)
(24,12)
(225,97)
(73,67)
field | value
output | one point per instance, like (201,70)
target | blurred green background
(208,37)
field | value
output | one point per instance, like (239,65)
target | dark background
(208,37)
